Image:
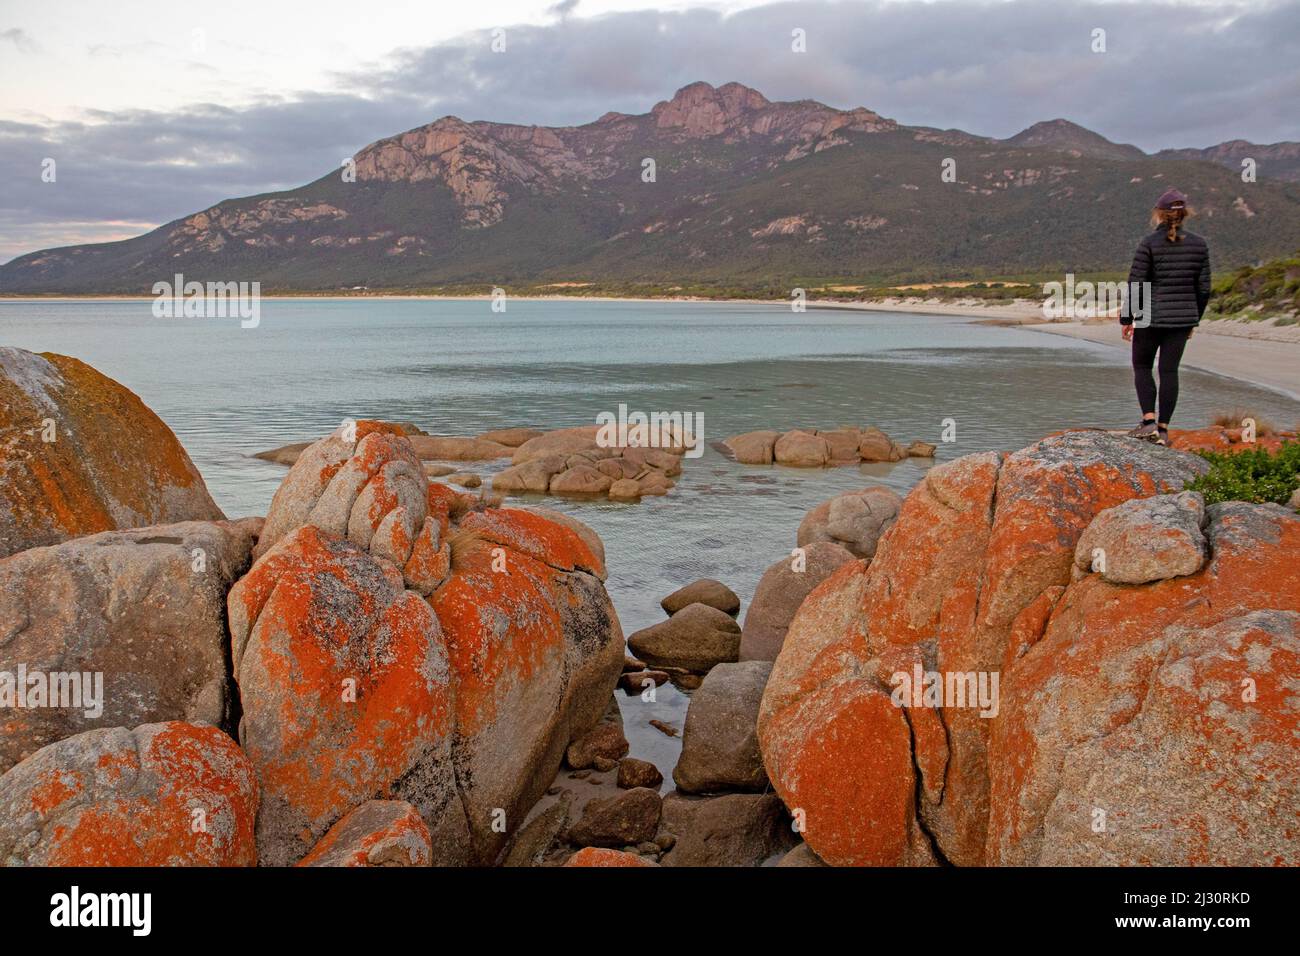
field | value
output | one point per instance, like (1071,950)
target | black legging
(1169,342)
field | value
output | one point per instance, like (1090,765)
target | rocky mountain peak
(700,109)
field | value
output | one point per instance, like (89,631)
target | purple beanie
(1171,199)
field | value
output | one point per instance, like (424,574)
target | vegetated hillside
(1269,291)
(747,194)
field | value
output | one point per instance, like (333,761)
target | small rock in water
(695,638)
(704,591)
(668,729)
(634,682)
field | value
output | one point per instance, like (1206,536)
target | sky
(153,109)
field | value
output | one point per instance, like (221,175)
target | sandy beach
(1269,363)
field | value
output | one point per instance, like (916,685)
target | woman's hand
(1191,331)
(1128,333)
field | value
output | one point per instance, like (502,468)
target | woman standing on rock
(1172,269)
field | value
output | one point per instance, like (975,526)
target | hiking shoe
(1162,437)
(1147,431)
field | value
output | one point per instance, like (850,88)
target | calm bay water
(455,367)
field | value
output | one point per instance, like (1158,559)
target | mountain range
(713,188)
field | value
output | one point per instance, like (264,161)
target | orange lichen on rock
(1167,707)
(537,537)
(464,703)
(170,794)
(377,833)
(345,688)
(596,856)
(360,483)
(964,580)
(1226,440)
(85,455)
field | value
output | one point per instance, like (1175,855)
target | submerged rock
(753,448)
(802,450)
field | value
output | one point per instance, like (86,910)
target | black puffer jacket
(1179,273)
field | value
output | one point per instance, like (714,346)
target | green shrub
(1254,475)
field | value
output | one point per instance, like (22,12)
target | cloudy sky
(152,110)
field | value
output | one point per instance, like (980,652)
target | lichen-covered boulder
(79,454)
(377,833)
(478,652)
(118,629)
(977,551)
(346,691)
(167,794)
(1155,724)
(362,482)
(535,650)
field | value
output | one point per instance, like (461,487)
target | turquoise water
(456,367)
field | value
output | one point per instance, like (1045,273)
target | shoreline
(1021,310)
(1267,363)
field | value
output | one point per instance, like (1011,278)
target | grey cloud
(21,39)
(1187,75)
